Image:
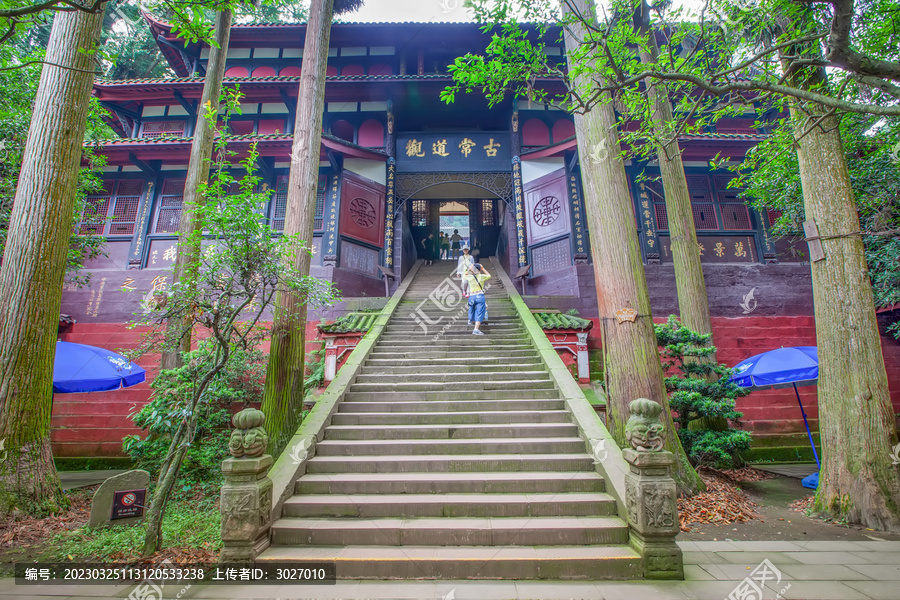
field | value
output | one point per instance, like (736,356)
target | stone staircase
(453,457)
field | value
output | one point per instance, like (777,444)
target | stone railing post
(650,493)
(246,501)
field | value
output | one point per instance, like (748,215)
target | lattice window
(93,220)
(420,213)
(735,214)
(124,213)
(168,217)
(658,200)
(158,129)
(773,215)
(705,216)
(662,217)
(279,204)
(319,221)
(487,213)
(702,205)
(112,210)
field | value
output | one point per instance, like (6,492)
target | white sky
(426,10)
(409,10)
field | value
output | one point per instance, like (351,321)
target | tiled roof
(351,323)
(755,137)
(274,78)
(251,137)
(558,320)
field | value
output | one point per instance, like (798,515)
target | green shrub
(701,394)
(238,385)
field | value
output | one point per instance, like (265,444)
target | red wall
(87,425)
(93,424)
(776,412)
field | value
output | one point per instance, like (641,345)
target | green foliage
(188,524)
(771,177)
(17,90)
(315,372)
(700,391)
(233,388)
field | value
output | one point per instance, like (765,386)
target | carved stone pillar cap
(648,459)
(247,466)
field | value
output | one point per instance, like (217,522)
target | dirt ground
(778,521)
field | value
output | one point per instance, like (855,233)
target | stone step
(429,353)
(469,562)
(494,359)
(408,505)
(465,369)
(464,340)
(457,387)
(437,484)
(454,418)
(449,395)
(454,377)
(511,531)
(459,463)
(523,445)
(351,405)
(432,431)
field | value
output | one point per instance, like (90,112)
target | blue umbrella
(779,368)
(82,368)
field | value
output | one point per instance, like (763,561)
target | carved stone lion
(644,431)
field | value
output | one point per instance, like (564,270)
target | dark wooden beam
(190,107)
(337,161)
(119,110)
(146,168)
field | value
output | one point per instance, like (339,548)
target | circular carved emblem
(362,212)
(546,211)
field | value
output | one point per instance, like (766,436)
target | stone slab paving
(817,570)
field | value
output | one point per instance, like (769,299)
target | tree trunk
(857,481)
(34,264)
(283,397)
(631,355)
(690,284)
(198,174)
(693,305)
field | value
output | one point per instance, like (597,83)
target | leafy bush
(701,393)
(239,383)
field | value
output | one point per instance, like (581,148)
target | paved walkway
(796,470)
(809,570)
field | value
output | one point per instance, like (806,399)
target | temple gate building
(396,164)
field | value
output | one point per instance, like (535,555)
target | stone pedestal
(246,506)
(650,498)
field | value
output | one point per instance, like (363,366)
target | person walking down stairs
(475,279)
